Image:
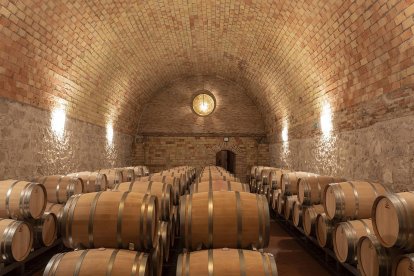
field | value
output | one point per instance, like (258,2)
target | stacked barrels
(24,224)
(220,224)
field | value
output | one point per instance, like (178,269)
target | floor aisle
(291,258)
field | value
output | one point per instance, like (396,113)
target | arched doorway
(227,160)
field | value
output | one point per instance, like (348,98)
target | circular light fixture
(204,103)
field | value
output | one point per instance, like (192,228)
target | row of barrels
(221,226)
(363,222)
(133,224)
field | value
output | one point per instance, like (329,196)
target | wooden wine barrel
(346,236)
(275,178)
(310,189)
(110,219)
(275,198)
(393,220)
(290,182)
(352,199)
(128,174)
(373,258)
(280,203)
(180,177)
(16,240)
(92,181)
(289,205)
(309,215)
(226,262)
(45,230)
(404,265)
(54,208)
(59,188)
(113,176)
(164,233)
(264,175)
(22,199)
(224,219)
(324,228)
(217,177)
(173,181)
(138,171)
(258,172)
(297,214)
(219,185)
(98,262)
(162,191)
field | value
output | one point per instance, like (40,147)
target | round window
(204,103)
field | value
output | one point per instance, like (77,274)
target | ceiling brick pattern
(105,59)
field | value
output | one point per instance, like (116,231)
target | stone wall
(383,152)
(165,152)
(29,147)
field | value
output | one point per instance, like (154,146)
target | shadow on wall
(30,146)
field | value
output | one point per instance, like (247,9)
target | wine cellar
(216,138)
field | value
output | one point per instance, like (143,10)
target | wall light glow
(285,134)
(326,119)
(109,133)
(58,121)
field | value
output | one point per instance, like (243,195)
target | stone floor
(291,258)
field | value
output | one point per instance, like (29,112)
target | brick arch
(226,146)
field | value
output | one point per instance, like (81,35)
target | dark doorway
(227,160)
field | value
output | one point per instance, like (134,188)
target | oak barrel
(173,181)
(275,195)
(393,220)
(219,185)
(161,190)
(297,214)
(45,230)
(404,265)
(346,236)
(290,182)
(310,189)
(226,261)
(164,232)
(98,262)
(287,212)
(224,219)
(92,181)
(323,229)
(22,199)
(113,176)
(60,188)
(352,199)
(16,240)
(110,219)
(373,258)
(309,215)
(275,178)
(280,204)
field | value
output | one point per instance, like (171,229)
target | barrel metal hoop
(58,189)
(189,220)
(151,208)
(239,220)
(366,227)
(259,209)
(356,195)
(210,265)
(373,188)
(24,202)
(111,262)
(352,241)
(266,215)
(65,215)
(8,239)
(53,264)
(405,228)
(265,266)
(339,201)
(71,212)
(210,219)
(136,261)
(141,223)
(79,262)
(143,264)
(119,219)
(130,187)
(319,192)
(242,262)
(91,219)
(272,264)
(9,191)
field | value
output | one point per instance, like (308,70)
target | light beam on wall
(58,121)
(285,134)
(326,119)
(109,133)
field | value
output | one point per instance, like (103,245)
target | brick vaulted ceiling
(105,59)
